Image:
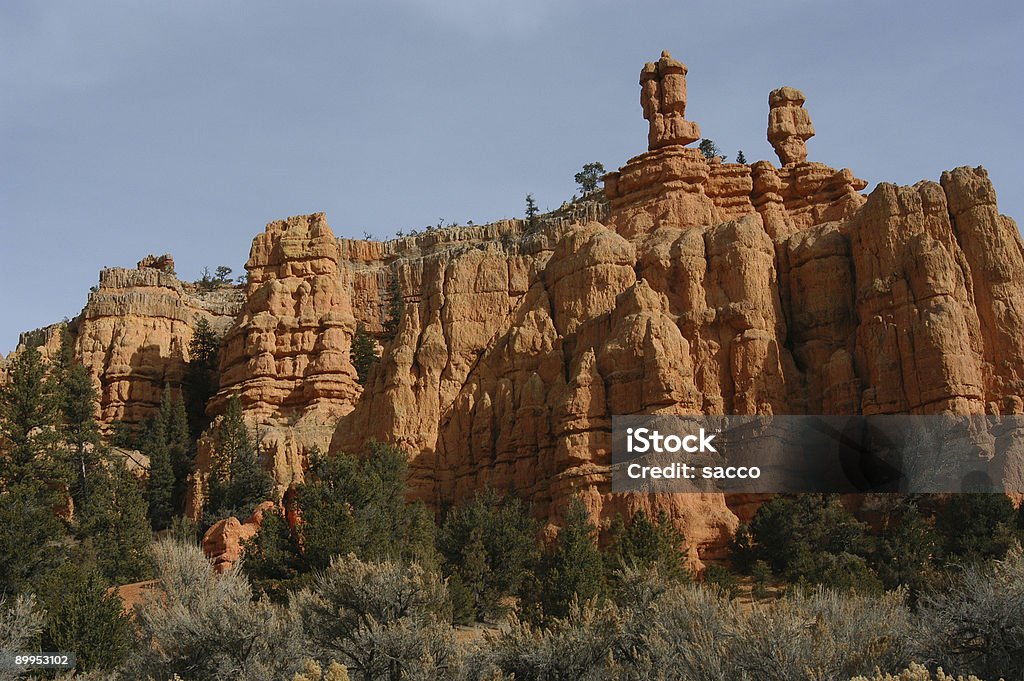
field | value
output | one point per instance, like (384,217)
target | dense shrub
(357,505)
(578,646)
(201,625)
(822,635)
(975,527)
(976,624)
(661,629)
(812,539)
(382,620)
(21,623)
(490,548)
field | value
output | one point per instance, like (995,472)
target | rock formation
(789,125)
(698,287)
(133,334)
(134,331)
(223,541)
(711,288)
(663,98)
(288,351)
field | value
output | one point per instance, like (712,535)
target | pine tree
(160,484)
(812,538)
(180,446)
(238,481)
(976,526)
(65,356)
(233,439)
(114,524)
(644,543)
(573,567)
(80,431)
(740,158)
(28,420)
(29,535)
(83,616)
(475,573)
(531,211)
(364,353)
(498,531)
(273,557)
(905,547)
(710,149)
(201,377)
(589,176)
(357,505)
(396,306)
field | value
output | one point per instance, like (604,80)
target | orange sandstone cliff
(689,286)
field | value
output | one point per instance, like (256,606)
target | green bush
(382,620)
(490,549)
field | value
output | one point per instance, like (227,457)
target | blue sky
(142,126)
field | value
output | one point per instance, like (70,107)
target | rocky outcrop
(134,331)
(663,99)
(133,335)
(224,542)
(712,288)
(288,352)
(695,287)
(789,125)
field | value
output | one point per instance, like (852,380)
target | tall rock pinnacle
(663,98)
(789,125)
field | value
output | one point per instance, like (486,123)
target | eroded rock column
(789,125)
(663,98)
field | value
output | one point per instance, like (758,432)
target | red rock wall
(694,287)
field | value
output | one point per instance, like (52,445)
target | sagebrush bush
(915,672)
(578,646)
(822,635)
(660,629)
(201,625)
(21,623)
(383,620)
(976,624)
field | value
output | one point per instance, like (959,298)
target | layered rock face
(287,353)
(134,331)
(695,287)
(711,288)
(133,334)
(286,357)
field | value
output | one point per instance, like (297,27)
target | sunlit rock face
(692,286)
